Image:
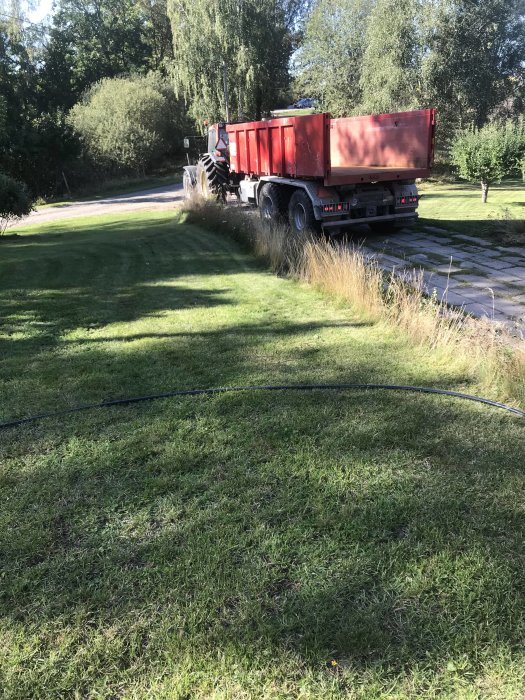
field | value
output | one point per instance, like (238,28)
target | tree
(15,201)
(35,142)
(128,123)
(330,60)
(474,54)
(90,40)
(251,39)
(489,154)
(391,71)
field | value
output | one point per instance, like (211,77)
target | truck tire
(301,213)
(271,204)
(212,178)
(189,180)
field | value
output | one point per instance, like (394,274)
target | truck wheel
(301,213)
(212,178)
(271,204)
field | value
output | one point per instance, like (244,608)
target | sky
(41,11)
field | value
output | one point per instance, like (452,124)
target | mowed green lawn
(285,545)
(458,206)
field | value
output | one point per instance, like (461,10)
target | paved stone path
(484,278)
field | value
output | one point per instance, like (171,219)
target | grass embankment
(458,206)
(345,545)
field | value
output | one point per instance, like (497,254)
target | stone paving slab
(484,279)
(471,239)
(435,229)
(447,269)
(490,263)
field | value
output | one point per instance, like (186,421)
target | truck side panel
(289,147)
(384,147)
(381,147)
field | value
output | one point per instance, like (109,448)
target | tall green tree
(474,56)
(489,154)
(251,39)
(90,40)
(330,61)
(391,62)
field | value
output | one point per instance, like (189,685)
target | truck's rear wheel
(271,205)
(301,213)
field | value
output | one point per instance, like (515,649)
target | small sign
(186,143)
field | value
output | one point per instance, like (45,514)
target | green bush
(128,123)
(15,201)
(489,154)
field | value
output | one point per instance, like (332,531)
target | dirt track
(164,197)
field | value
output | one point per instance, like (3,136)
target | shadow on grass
(379,529)
(102,274)
(373,528)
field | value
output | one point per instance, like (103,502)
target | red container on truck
(317,171)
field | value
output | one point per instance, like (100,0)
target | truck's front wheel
(211,178)
(301,213)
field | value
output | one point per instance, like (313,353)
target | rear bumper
(408,217)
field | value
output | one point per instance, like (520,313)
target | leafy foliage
(489,154)
(35,142)
(390,75)
(474,54)
(252,38)
(103,39)
(329,63)
(45,70)
(128,123)
(15,201)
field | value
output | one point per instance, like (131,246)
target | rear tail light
(408,200)
(337,208)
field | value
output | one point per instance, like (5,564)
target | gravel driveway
(147,200)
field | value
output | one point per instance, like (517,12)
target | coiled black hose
(280,387)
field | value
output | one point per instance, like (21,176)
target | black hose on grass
(281,387)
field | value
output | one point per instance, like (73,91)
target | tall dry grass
(487,351)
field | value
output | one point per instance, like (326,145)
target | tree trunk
(484,192)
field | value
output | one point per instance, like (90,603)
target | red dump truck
(318,172)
